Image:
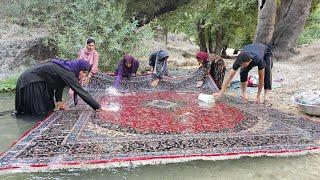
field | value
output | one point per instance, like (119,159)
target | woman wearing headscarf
(40,87)
(159,65)
(90,54)
(127,67)
(214,65)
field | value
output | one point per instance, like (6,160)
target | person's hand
(149,72)
(86,81)
(199,84)
(155,82)
(61,106)
(217,95)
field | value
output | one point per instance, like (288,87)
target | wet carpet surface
(145,125)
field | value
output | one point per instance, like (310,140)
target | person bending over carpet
(159,65)
(40,87)
(213,65)
(127,67)
(252,55)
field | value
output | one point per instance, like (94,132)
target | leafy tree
(71,22)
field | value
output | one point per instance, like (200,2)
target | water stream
(298,167)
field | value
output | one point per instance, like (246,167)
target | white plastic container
(207,98)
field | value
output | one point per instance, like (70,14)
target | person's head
(82,68)
(163,55)
(202,57)
(244,59)
(128,60)
(90,44)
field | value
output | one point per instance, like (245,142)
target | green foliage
(104,21)
(31,12)
(238,18)
(8,84)
(311,32)
(71,22)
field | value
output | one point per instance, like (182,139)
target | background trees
(123,26)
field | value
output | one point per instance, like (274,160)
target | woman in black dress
(40,87)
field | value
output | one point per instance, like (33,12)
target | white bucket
(207,98)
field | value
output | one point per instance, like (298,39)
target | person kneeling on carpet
(213,65)
(127,67)
(159,65)
(40,87)
(252,55)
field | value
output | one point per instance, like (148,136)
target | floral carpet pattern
(145,125)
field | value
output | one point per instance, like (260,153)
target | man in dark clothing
(159,65)
(40,87)
(252,55)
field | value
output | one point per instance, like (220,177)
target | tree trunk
(224,51)
(202,35)
(266,21)
(292,15)
(209,40)
(219,38)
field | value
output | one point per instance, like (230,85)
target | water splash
(112,91)
(114,107)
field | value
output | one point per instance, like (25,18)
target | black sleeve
(58,94)
(152,59)
(73,83)
(235,66)
(261,64)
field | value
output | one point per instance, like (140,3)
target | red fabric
(186,116)
(203,56)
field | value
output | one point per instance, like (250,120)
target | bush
(311,32)
(70,23)
(8,84)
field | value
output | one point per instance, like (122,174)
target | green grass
(8,84)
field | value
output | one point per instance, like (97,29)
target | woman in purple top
(127,67)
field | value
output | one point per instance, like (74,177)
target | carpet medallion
(145,125)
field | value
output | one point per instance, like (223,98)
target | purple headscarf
(73,65)
(123,70)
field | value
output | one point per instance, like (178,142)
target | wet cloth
(261,55)
(92,57)
(39,87)
(158,61)
(124,71)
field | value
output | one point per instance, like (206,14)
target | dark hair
(243,57)
(90,40)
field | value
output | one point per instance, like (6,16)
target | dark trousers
(267,75)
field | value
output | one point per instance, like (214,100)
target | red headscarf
(203,56)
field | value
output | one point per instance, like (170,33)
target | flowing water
(297,167)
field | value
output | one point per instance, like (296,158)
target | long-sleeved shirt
(159,63)
(92,57)
(123,71)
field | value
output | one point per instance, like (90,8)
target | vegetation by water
(8,84)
